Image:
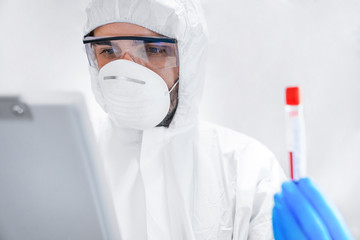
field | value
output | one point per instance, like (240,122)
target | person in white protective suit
(172,176)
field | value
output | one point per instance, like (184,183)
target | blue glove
(301,212)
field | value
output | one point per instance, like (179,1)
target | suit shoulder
(230,140)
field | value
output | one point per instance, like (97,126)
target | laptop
(52,182)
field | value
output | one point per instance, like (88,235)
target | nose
(127,56)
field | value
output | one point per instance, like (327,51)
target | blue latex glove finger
(306,216)
(285,226)
(328,213)
(278,234)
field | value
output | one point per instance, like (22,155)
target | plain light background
(257,48)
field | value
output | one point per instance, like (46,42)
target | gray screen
(47,185)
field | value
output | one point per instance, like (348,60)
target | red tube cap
(293,96)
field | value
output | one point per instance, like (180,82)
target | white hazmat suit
(192,180)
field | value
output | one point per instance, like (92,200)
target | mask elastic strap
(172,88)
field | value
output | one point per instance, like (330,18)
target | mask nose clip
(121,78)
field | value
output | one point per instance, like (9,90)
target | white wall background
(257,48)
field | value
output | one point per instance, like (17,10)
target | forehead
(123,29)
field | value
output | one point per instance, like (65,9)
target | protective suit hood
(182,20)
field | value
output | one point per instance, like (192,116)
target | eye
(107,51)
(156,50)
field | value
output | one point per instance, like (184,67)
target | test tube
(295,130)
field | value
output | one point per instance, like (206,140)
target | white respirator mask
(135,96)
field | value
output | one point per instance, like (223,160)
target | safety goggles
(151,52)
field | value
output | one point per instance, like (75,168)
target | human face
(169,75)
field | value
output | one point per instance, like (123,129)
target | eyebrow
(107,43)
